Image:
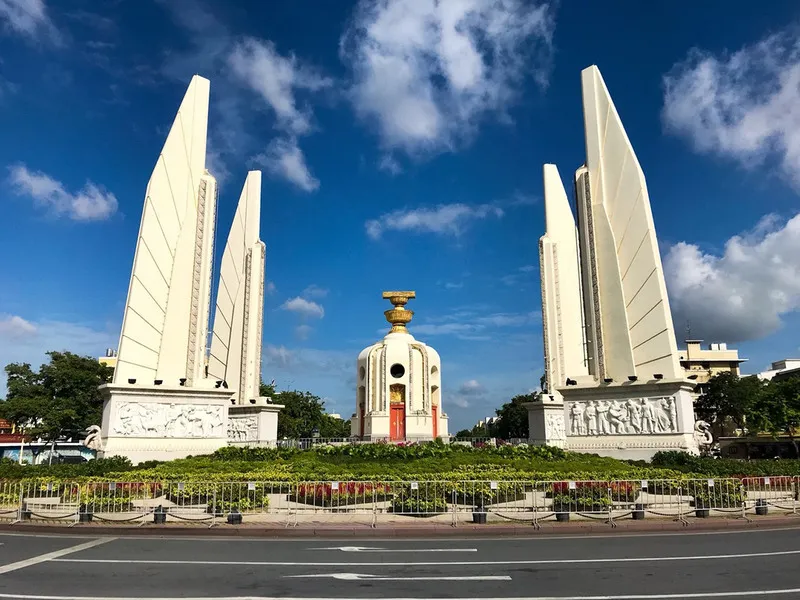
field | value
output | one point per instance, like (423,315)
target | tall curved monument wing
(238,321)
(615,385)
(624,289)
(561,291)
(165,322)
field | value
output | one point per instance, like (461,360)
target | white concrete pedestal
(254,424)
(158,422)
(630,420)
(546,421)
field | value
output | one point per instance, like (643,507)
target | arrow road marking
(362,576)
(415,550)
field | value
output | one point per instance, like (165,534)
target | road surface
(760,564)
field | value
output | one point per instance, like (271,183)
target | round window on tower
(362,372)
(397,370)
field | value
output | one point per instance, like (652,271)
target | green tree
(61,398)
(777,411)
(464,433)
(729,398)
(302,413)
(513,421)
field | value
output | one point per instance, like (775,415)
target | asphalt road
(745,564)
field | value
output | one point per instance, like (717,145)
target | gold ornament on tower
(399,316)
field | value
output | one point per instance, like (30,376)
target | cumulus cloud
(744,105)
(448,219)
(467,392)
(741,294)
(315,291)
(276,79)
(303,307)
(91,203)
(284,159)
(26,341)
(426,72)
(28,18)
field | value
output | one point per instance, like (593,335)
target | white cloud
(91,203)
(471,388)
(472,326)
(389,164)
(303,331)
(26,341)
(307,360)
(315,291)
(28,17)
(270,288)
(284,158)
(450,219)
(467,392)
(303,307)
(745,105)
(276,78)
(14,327)
(427,72)
(743,293)
(521,276)
(451,285)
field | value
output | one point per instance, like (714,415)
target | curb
(412,531)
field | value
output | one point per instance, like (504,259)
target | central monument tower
(399,389)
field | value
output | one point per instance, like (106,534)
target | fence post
(214,507)
(453,505)
(610,505)
(78,510)
(680,505)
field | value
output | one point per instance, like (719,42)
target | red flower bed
(348,492)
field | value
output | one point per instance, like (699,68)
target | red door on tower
(435,411)
(397,427)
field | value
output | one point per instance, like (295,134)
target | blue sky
(402,144)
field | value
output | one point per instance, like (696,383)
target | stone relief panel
(243,429)
(554,426)
(634,416)
(152,419)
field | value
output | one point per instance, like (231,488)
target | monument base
(417,428)
(627,421)
(631,447)
(254,424)
(162,423)
(546,421)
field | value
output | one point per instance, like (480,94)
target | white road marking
(533,537)
(689,596)
(362,576)
(565,561)
(395,550)
(52,555)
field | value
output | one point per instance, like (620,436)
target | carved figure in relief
(591,418)
(555,426)
(618,417)
(602,418)
(576,415)
(649,420)
(635,412)
(702,433)
(672,413)
(93,440)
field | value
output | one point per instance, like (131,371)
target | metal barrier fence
(372,501)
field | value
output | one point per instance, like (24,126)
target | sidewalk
(412,530)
